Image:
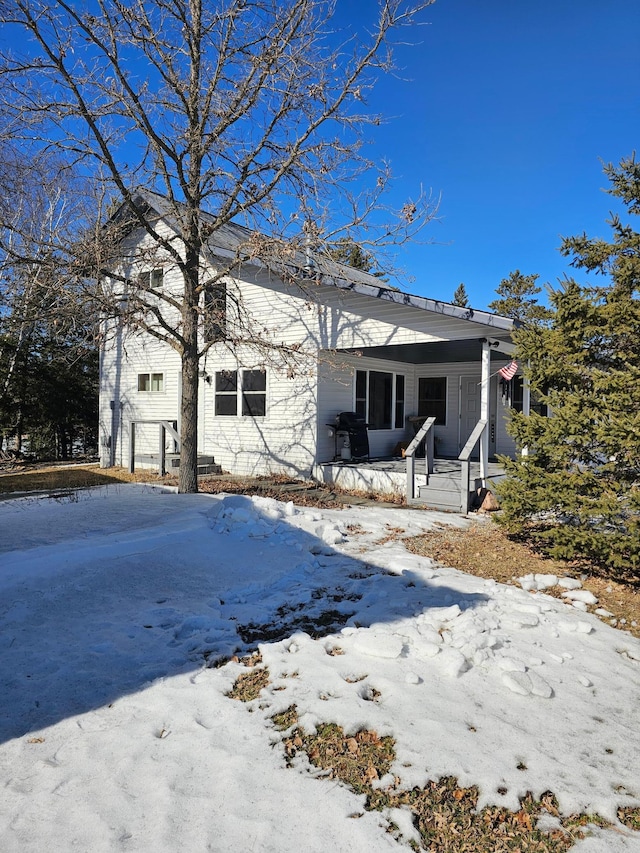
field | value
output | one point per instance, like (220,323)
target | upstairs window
(150,278)
(151,382)
(214,321)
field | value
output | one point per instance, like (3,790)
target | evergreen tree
(460,297)
(346,251)
(576,491)
(518,299)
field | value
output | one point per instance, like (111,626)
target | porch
(440,489)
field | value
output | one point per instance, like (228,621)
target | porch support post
(132,447)
(526,407)
(162,467)
(484,410)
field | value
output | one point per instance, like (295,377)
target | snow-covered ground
(116,736)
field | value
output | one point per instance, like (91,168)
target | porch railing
(164,427)
(426,432)
(464,458)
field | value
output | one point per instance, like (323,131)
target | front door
(470,413)
(469,410)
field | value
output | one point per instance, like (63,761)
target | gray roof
(228,240)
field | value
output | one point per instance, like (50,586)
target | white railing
(464,457)
(424,432)
(164,427)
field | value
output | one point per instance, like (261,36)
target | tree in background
(577,491)
(518,299)
(346,251)
(252,112)
(48,354)
(460,296)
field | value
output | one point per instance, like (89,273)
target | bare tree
(249,110)
(47,333)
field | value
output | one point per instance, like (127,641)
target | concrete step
(209,469)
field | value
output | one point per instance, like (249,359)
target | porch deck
(388,476)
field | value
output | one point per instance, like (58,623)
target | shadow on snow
(182,591)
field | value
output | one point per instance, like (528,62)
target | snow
(116,735)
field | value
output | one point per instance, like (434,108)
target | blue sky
(507,109)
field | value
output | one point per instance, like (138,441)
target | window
(399,420)
(214,323)
(150,278)
(513,393)
(379,397)
(151,382)
(380,391)
(226,392)
(432,398)
(253,393)
(361,393)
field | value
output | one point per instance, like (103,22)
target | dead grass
(356,760)
(276,486)
(485,550)
(248,685)
(630,818)
(444,813)
(285,719)
(57,477)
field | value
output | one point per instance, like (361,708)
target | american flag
(509,371)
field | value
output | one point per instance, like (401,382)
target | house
(288,352)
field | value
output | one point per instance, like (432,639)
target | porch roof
(436,352)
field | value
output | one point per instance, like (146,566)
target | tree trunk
(188,474)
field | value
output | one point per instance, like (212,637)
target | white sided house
(405,364)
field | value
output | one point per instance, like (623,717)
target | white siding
(284,440)
(293,435)
(122,361)
(329,318)
(451,437)
(336,393)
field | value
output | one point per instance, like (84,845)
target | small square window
(151,278)
(151,382)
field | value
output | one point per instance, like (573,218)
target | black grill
(355,426)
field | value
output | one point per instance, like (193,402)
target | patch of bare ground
(485,550)
(300,492)
(248,685)
(276,486)
(40,477)
(444,813)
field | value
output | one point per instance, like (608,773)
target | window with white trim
(151,383)
(254,393)
(379,398)
(226,392)
(241,393)
(151,278)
